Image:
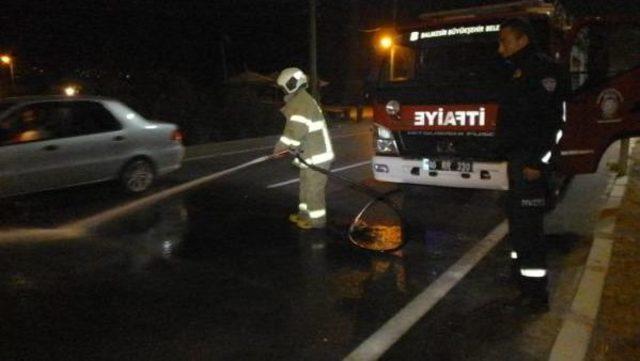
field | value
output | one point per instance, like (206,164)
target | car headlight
(392,108)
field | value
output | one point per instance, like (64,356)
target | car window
(89,118)
(602,51)
(50,120)
(26,124)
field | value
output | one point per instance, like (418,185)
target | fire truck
(435,101)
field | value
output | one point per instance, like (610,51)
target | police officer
(530,118)
(306,134)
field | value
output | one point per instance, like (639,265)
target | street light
(386,43)
(71,90)
(7,60)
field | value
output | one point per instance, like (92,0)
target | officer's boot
(533,298)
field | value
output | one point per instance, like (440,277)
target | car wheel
(137,176)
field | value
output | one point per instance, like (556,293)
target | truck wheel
(137,176)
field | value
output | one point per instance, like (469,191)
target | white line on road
(296,180)
(122,210)
(378,343)
(218,155)
(40,235)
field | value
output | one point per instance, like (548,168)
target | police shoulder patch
(549,84)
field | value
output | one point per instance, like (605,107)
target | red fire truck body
(435,104)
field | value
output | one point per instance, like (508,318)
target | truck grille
(427,144)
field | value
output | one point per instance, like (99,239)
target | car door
(8,158)
(82,145)
(93,145)
(28,152)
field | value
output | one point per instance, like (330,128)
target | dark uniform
(530,119)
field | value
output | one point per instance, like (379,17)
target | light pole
(386,43)
(7,60)
(313,51)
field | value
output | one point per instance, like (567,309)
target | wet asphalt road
(218,273)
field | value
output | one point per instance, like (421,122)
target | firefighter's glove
(280,150)
(295,152)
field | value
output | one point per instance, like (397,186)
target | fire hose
(361,234)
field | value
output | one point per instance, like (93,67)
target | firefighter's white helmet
(292,79)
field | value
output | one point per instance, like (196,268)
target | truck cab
(436,100)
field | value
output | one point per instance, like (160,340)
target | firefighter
(305,133)
(530,118)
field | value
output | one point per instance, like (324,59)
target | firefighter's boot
(296,217)
(309,224)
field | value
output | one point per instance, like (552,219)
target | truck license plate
(447,165)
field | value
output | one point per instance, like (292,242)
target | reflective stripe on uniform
(514,255)
(289,141)
(301,119)
(328,154)
(320,158)
(312,126)
(327,141)
(302,207)
(559,136)
(315,126)
(317,214)
(546,158)
(533,272)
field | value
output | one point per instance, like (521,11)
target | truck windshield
(454,55)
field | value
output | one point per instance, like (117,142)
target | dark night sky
(139,34)
(180,34)
(185,36)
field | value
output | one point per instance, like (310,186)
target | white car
(56,142)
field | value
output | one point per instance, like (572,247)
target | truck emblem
(609,101)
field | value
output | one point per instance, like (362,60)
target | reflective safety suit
(528,130)
(306,133)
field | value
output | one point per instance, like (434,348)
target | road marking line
(208,156)
(296,180)
(113,213)
(24,235)
(218,155)
(378,343)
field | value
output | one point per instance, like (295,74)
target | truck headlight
(385,146)
(384,133)
(385,142)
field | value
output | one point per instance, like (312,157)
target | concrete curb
(574,338)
